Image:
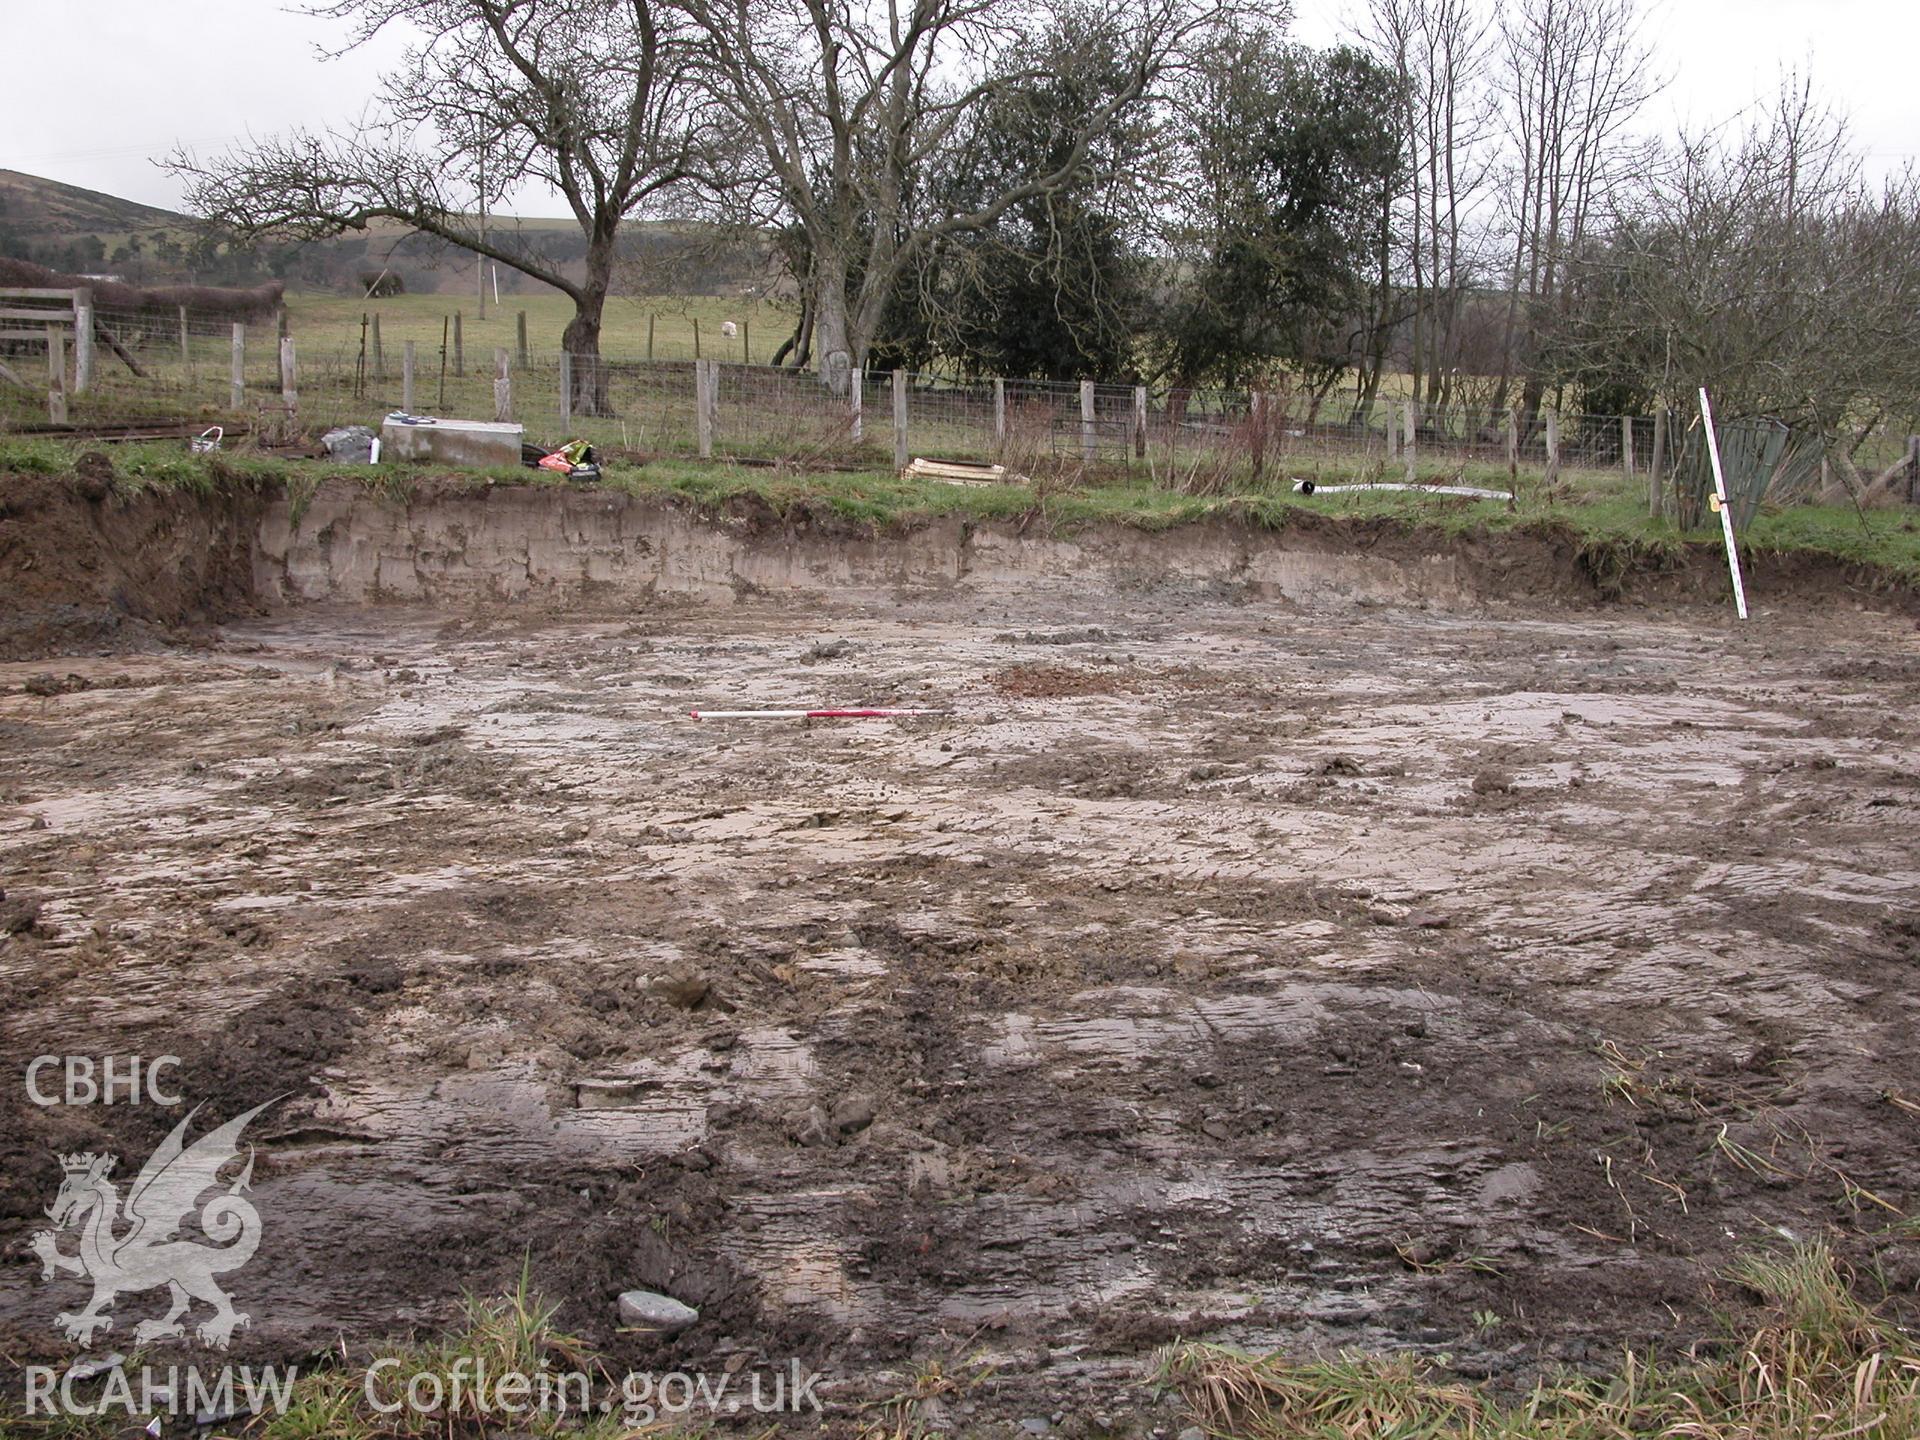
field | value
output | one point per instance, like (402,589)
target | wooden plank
(120,350)
(56,376)
(957,470)
(19,292)
(237,387)
(1087,433)
(44,317)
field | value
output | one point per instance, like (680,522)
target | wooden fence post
(1513,442)
(696,337)
(379,355)
(237,376)
(289,381)
(1257,422)
(1553,446)
(856,393)
(1412,444)
(459,350)
(283,333)
(56,375)
(186,349)
(650,318)
(566,390)
(1140,421)
(746,339)
(1626,444)
(520,340)
(999,414)
(406,377)
(1086,422)
(82,341)
(713,396)
(702,416)
(1656,463)
(502,386)
(899,419)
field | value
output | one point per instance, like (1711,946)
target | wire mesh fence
(184,370)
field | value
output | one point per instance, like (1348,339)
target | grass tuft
(1821,1364)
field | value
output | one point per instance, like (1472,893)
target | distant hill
(67,227)
(38,209)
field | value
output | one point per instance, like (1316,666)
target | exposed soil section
(88,567)
(83,565)
(1217,967)
(458,543)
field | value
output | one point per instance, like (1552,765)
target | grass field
(331,324)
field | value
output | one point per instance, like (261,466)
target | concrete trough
(471,444)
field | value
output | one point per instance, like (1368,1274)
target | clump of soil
(1053,682)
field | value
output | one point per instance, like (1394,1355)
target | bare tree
(848,105)
(1440,51)
(1760,263)
(1576,73)
(595,99)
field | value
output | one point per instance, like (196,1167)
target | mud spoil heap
(1233,972)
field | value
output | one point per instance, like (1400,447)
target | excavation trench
(1306,939)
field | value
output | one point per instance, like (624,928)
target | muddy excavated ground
(1477,986)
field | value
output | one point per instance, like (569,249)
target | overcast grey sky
(205,72)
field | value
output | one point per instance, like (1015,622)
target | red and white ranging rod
(807,714)
(1721,506)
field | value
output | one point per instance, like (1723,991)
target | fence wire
(185,369)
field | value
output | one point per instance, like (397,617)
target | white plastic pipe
(1472,492)
(1720,504)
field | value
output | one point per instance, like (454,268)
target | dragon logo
(149,1252)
